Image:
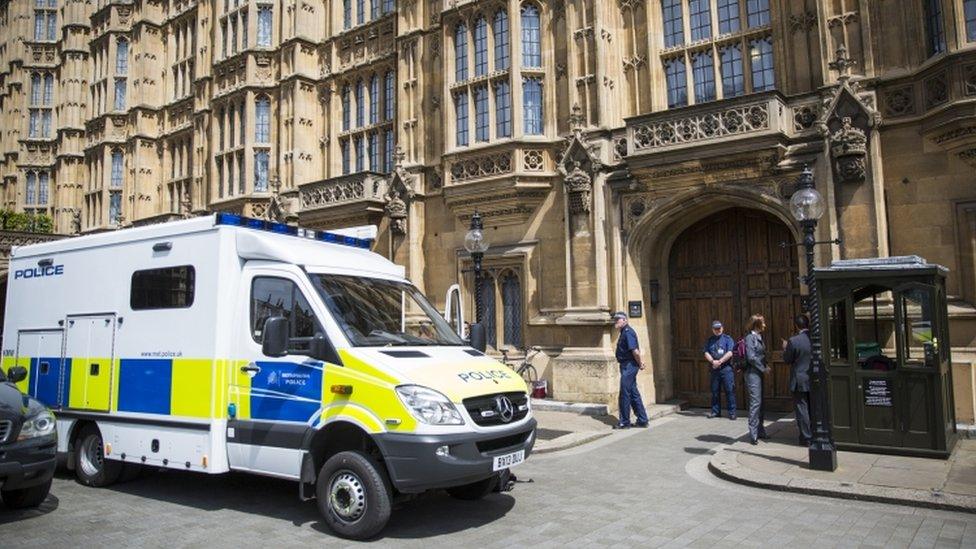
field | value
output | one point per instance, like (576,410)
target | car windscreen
(374,313)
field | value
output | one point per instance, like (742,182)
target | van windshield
(377,313)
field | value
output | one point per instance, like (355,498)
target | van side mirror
(322,349)
(16,374)
(275,337)
(479,338)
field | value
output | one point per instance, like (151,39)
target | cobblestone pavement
(635,488)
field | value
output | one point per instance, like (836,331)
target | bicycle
(525,370)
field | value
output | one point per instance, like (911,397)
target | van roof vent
(406,354)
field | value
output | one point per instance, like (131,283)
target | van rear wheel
(91,467)
(353,495)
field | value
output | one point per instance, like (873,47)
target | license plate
(508,460)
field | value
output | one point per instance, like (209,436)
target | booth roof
(899,263)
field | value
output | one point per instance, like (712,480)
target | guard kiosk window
(166,288)
(920,346)
(272,296)
(838,332)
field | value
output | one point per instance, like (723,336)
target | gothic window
(728,16)
(262,120)
(360,12)
(240,173)
(233,35)
(344,151)
(220,129)
(121,57)
(374,99)
(532,105)
(360,153)
(389,95)
(346,14)
(261,162)
(116,182)
(45,20)
(461,112)
(114,207)
(120,94)
(503,109)
(388,6)
(42,188)
(701,19)
(224,37)
(674,30)
(388,151)
(220,178)
(934,27)
(488,302)
(481,47)
(704,75)
(360,104)
(481,113)
(40,108)
(230,125)
(733,82)
(374,152)
(757,12)
(531,36)
(35,90)
(674,70)
(374,8)
(500,29)
(761,52)
(345,108)
(31,190)
(461,53)
(969,14)
(265,16)
(241,125)
(244,28)
(511,290)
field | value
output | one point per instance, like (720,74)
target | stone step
(599,410)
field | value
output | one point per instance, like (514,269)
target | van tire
(362,503)
(475,490)
(23,498)
(91,466)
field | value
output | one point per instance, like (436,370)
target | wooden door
(727,267)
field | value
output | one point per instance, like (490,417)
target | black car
(28,444)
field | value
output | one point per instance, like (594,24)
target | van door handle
(251,368)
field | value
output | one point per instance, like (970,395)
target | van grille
(486,446)
(5,428)
(484,409)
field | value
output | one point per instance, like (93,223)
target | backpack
(739,354)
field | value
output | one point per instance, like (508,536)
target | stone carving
(805,116)
(276,207)
(619,148)
(579,185)
(900,101)
(332,192)
(396,210)
(481,166)
(533,160)
(803,21)
(698,127)
(842,20)
(956,133)
(186,205)
(969,79)
(848,146)
(936,90)
(76,220)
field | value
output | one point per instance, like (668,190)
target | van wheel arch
(76,428)
(322,444)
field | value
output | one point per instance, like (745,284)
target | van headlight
(429,406)
(39,425)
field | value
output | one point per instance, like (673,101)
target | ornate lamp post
(475,243)
(807,206)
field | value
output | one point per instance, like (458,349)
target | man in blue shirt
(631,362)
(718,353)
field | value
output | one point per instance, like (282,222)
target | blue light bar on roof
(224,218)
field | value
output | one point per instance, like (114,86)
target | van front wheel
(353,495)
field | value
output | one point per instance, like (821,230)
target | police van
(225,343)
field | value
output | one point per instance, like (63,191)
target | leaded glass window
(261,162)
(500,29)
(733,80)
(674,30)
(461,52)
(390,95)
(121,56)
(360,104)
(512,309)
(700,18)
(531,36)
(481,47)
(757,13)
(31,188)
(265,18)
(704,74)
(481,113)
(374,99)
(728,16)
(761,56)
(532,105)
(345,108)
(117,159)
(262,120)
(503,109)
(934,27)
(674,71)
(488,302)
(969,14)
(388,151)
(42,184)
(461,113)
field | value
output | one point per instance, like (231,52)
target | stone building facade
(625,154)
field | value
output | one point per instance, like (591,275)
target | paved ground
(781,464)
(646,488)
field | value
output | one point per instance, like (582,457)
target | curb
(726,466)
(582,408)
(575,439)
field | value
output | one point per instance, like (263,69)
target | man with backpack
(718,352)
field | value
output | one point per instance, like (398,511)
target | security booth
(886,344)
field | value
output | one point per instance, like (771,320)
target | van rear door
(90,345)
(40,350)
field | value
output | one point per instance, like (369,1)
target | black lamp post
(475,243)
(807,206)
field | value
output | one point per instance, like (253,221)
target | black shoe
(732,417)
(621,426)
(712,414)
(641,424)
(753,441)
(764,436)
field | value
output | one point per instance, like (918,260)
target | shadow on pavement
(788,461)
(8,516)
(718,439)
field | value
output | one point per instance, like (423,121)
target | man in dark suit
(797,352)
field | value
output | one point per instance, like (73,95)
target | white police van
(226,343)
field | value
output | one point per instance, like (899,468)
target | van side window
(280,297)
(167,288)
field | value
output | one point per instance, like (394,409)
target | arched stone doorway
(728,266)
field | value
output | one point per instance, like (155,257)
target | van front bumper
(28,463)
(414,465)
